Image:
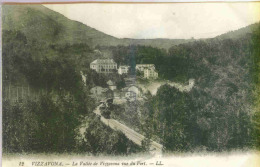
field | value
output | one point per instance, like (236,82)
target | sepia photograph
(131,84)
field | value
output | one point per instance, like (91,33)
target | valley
(68,88)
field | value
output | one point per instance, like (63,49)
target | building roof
(150,69)
(103,61)
(128,87)
(125,89)
(137,65)
(124,67)
(107,90)
(116,91)
(110,83)
(99,87)
(134,86)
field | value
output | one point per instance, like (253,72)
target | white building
(103,65)
(148,70)
(123,69)
(150,73)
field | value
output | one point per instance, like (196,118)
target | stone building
(104,65)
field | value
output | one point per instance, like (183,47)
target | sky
(163,20)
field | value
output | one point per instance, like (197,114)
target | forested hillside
(220,112)
(240,33)
(46,118)
(46,26)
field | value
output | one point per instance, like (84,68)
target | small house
(100,93)
(111,85)
(132,92)
(123,69)
(97,90)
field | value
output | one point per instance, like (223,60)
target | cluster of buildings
(107,66)
(131,91)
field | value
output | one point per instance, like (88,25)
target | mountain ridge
(40,23)
(53,27)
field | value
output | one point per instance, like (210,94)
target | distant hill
(40,23)
(240,32)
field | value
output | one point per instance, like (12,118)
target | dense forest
(220,113)
(48,121)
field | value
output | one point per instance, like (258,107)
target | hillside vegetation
(45,120)
(220,112)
